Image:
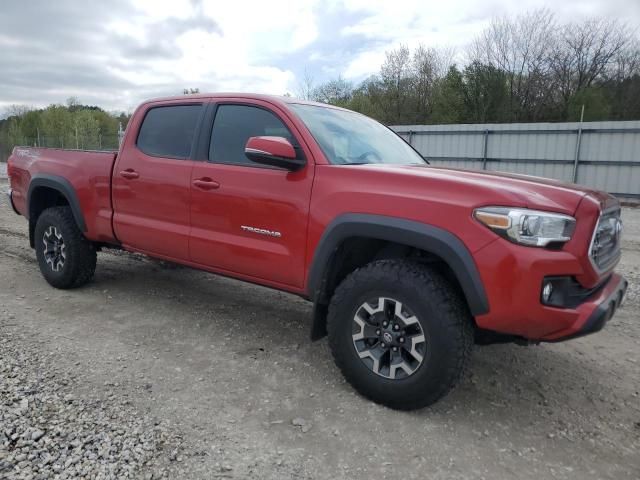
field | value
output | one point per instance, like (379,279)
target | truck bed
(86,172)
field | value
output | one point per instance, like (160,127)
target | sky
(116,53)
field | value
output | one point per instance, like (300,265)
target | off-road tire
(444,319)
(80,254)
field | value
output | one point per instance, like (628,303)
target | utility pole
(120,134)
(576,158)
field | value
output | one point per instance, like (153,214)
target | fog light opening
(547,290)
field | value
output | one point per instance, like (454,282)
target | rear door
(250,219)
(152,181)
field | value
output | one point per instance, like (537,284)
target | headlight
(527,227)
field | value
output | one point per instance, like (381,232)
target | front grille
(605,245)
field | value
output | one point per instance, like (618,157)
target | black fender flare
(423,236)
(64,187)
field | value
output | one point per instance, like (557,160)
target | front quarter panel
(340,190)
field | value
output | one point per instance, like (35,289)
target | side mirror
(274,151)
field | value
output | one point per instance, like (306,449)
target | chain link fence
(100,142)
(70,140)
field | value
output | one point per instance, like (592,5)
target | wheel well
(40,199)
(355,252)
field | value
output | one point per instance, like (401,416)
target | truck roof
(276,99)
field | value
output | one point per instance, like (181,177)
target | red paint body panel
(252,197)
(196,213)
(88,172)
(151,211)
(277,146)
(266,198)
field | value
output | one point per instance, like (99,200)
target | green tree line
(529,68)
(60,126)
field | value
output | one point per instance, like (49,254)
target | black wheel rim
(388,338)
(54,249)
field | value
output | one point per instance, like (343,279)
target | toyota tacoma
(407,265)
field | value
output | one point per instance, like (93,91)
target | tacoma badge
(261,231)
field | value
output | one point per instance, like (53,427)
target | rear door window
(168,131)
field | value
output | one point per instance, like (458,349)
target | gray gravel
(218,379)
(47,431)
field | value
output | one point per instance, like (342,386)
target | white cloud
(455,23)
(116,54)
(256,29)
(365,64)
(150,48)
(236,59)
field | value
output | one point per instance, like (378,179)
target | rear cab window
(168,131)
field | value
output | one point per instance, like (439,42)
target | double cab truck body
(407,264)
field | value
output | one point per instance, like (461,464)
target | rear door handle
(205,183)
(129,174)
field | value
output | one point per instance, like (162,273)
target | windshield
(348,138)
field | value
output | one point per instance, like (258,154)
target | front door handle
(205,183)
(129,174)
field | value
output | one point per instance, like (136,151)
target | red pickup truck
(407,265)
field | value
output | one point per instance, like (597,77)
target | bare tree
(396,77)
(587,52)
(17,110)
(306,89)
(336,92)
(73,103)
(428,66)
(520,47)
(627,62)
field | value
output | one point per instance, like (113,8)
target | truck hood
(512,189)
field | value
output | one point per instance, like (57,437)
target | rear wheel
(400,333)
(65,257)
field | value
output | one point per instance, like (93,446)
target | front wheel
(400,333)
(65,257)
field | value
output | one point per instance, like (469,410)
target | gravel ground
(155,371)
(50,432)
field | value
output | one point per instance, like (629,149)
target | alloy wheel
(388,338)
(54,249)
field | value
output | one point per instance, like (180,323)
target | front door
(248,219)
(152,182)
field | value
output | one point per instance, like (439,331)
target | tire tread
(445,298)
(82,253)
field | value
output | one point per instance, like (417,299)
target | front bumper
(513,277)
(606,302)
(10,198)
